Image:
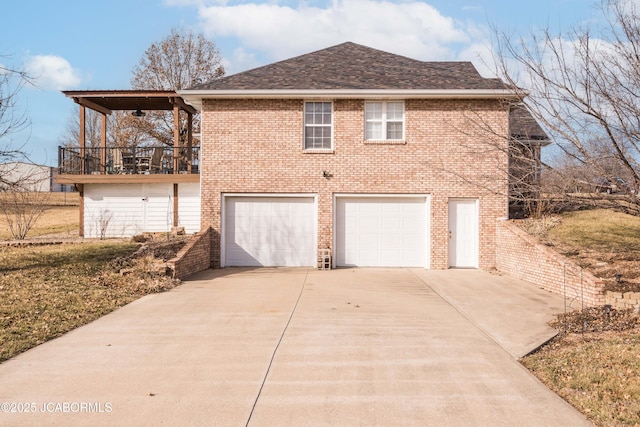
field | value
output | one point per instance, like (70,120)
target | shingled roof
(523,126)
(350,66)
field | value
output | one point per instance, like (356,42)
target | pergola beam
(183,105)
(106,101)
(85,102)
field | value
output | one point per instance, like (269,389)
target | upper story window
(384,120)
(318,124)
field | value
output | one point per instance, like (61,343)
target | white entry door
(463,233)
(157,207)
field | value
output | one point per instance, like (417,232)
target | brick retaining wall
(521,256)
(623,300)
(195,256)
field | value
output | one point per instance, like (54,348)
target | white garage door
(270,231)
(381,231)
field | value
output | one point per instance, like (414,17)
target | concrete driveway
(277,347)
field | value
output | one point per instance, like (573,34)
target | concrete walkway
(276,347)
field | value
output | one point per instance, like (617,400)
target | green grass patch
(46,291)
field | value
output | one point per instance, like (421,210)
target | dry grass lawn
(60,217)
(598,370)
(598,373)
(603,241)
(46,291)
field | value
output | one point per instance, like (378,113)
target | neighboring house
(28,176)
(380,159)
(526,141)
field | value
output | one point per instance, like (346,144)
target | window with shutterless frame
(318,125)
(384,120)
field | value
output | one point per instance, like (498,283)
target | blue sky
(80,44)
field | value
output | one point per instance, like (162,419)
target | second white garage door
(381,231)
(269,231)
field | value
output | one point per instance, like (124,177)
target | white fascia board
(195,97)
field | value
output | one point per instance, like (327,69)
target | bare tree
(585,91)
(20,202)
(22,208)
(123,130)
(103,221)
(181,60)
(93,129)
(12,119)
(508,150)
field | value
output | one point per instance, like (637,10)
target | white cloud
(481,54)
(412,28)
(52,72)
(240,60)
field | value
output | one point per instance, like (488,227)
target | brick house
(374,158)
(381,159)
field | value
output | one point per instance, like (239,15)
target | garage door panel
(412,241)
(393,257)
(391,224)
(412,223)
(368,221)
(391,241)
(381,231)
(270,231)
(391,209)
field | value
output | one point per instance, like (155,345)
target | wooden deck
(126,179)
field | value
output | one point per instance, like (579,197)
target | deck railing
(125,160)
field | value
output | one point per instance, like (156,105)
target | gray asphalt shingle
(524,126)
(353,66)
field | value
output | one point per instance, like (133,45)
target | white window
(384,120)
(318,125)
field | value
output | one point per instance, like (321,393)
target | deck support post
(175,205)
(80,188)
(82,138)
(176,137)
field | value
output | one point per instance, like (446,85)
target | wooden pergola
(107,101)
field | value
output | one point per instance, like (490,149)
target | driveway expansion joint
(275,350)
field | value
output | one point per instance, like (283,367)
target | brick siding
(195,256)
(256,146)
(521,256)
